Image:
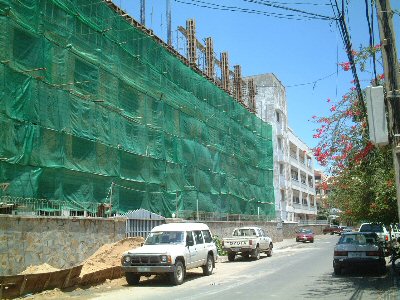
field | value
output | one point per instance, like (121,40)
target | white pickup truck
(247,241)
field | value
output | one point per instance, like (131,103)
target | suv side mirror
(189,243)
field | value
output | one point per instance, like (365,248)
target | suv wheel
(178,275)
(209,266)
(132,278)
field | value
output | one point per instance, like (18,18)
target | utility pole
(392,83)
(143,12)
(169,31)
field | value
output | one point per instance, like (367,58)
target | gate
(140,222)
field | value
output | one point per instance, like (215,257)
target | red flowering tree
(362,184)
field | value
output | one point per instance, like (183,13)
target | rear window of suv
(371,228)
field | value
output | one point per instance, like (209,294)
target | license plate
(143,269)
(235,249)
(355,254)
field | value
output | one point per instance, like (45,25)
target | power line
(297,3)
(348,47)
(371,35)
(214,6)
(314,82)
(274,5)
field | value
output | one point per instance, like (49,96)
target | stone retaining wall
(58,241)
(64,242)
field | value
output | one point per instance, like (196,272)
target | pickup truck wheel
(178,275)
(269,252)
(132,278)
(256,253)
(337,271)
(231,256)
(209,266)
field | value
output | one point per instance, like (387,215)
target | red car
(305,235)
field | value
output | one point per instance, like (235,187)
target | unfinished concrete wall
(277,231)
(60,242)
(225,229)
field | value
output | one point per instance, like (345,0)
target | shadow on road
(352,284)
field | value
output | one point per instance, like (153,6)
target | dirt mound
(44,268)
(109,255)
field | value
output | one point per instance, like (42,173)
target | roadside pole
(392,83)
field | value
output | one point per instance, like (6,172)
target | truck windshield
(244,232)
(165,237)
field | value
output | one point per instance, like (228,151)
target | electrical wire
(214,6)
(370,32)
(348,47)
(314,82)
(271,4)
(297,3)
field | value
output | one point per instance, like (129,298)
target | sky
(303,53)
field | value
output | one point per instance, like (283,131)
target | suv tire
(209,266)
(178,275)
(132,278)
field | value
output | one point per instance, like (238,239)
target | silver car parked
(356,249)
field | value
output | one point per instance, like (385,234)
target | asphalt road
(301,271)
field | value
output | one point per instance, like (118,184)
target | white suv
(172,249)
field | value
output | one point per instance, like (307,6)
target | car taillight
(250,242)
(340,253)
(386,238)
(372,253)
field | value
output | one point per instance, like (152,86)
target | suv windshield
(165,237)
(371,228)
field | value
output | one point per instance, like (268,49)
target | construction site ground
(108,255)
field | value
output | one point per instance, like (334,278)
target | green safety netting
(94,110)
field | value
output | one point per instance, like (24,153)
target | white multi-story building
(293,161)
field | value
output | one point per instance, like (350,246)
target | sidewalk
(286,243)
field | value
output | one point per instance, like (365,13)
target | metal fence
(217,216)
(313,222)
(140,222)
(47,207)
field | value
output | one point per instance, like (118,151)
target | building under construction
(97,112)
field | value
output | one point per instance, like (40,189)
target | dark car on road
(358,249)
(332,229)
(305,235)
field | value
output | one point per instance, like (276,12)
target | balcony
(303,209)
(295,182)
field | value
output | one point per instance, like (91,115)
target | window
(198,236)
(189,237)
(207,236)
(279,143)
